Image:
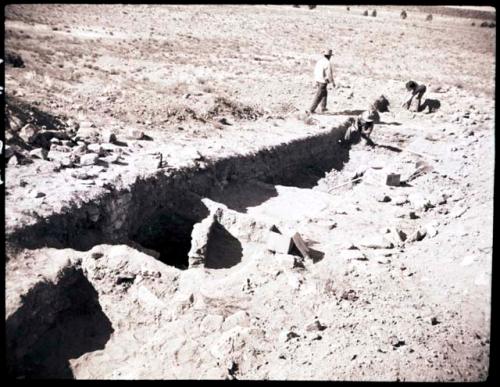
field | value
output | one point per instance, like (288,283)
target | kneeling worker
(417,91)
(361,127)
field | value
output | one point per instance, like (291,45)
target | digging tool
(347,182)
(407,150)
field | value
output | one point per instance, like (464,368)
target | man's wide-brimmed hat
(327,52)
(367,116)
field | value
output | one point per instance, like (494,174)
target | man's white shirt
(323,71)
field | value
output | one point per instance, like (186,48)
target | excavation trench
(63,320)
(158,213)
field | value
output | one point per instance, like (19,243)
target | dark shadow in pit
(170,236)
(223,249)
(240,197)
(56,323)
(308,174)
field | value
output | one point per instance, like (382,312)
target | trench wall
(118,215)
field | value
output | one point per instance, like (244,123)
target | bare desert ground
(172,212)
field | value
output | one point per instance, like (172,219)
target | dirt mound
(223,105)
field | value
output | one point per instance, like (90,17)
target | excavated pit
(62,321)
(158,212)
(56,322)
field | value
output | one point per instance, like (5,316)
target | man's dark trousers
(320,96)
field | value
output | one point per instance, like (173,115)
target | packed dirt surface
(172,212)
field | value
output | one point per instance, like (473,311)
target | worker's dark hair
(410,85)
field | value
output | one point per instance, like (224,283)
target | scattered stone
(96,148)
(136,134)
(115,158)
(39,153)
(61,148)
(28,132)
(109,137)
(393,179)
(434,321)
(290,335)
(298,262)
(224,121)
(89,159)
(349,295)
(383,198)
(109,147)
(315,326)
(377,242)
(350,255)
(82,175)
(413,215)
(80,150)
(400,200)
(418,235)
(64,159)
(395,342)
(401,234)
(37,194)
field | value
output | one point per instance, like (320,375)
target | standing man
(322,75)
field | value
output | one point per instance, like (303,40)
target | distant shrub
(473,24)
(311,6)
(296,6)
(374,13)
(403,15)
(348,8)
(365,13)
(492,25)
(429,17)
(13,59)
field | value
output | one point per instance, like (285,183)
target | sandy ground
(416,311)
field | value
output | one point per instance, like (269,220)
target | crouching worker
(417,91)
(360,127)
